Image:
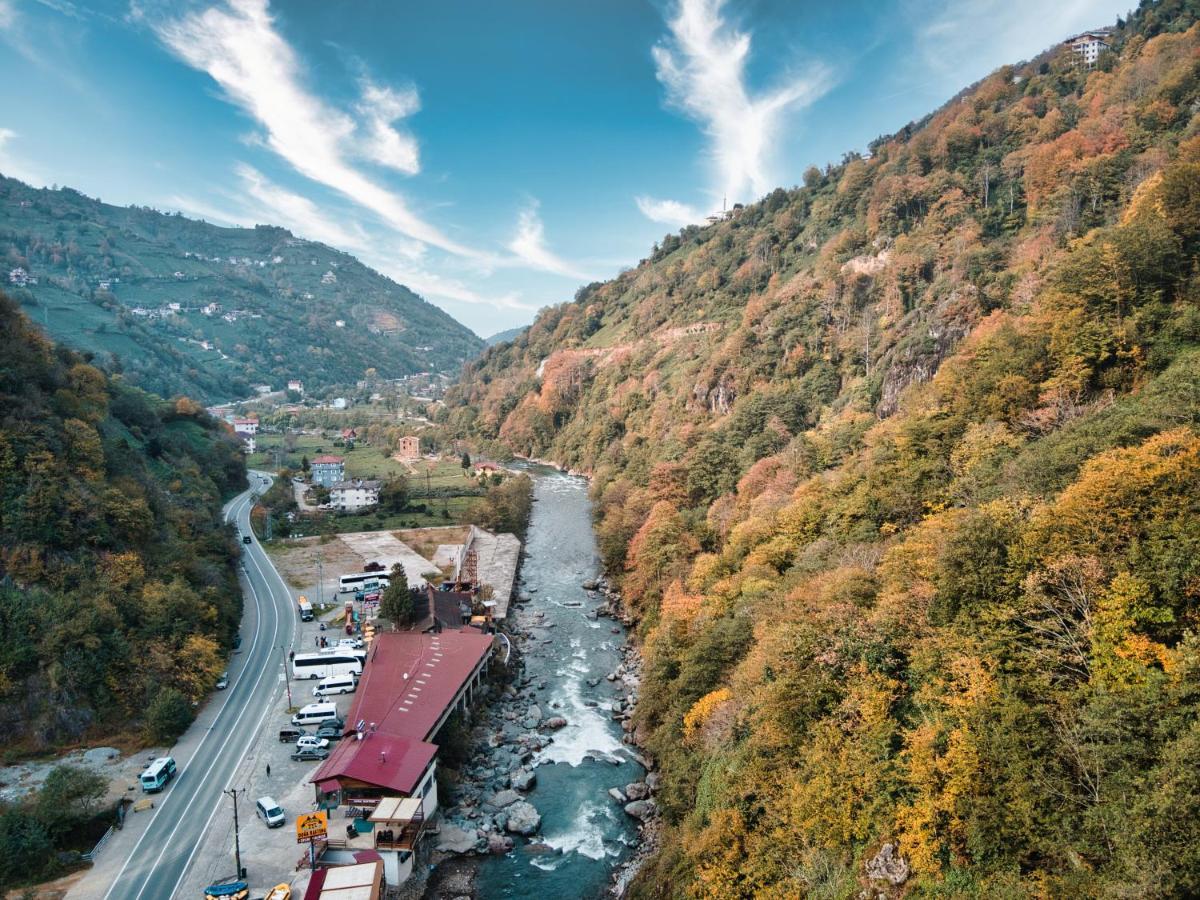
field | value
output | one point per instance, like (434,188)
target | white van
(269,811)
(157,774)
(314,714)
(335,684)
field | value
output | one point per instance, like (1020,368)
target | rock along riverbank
(554,800)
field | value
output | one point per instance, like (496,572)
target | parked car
(311,740)
(330,733)
(353,643)
(269,811)
(289,734)
(223,681)
(237,640)
(310,753)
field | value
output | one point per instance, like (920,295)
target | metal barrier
(91,855)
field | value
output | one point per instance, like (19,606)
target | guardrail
(91,855)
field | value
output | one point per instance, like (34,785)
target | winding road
(211,751)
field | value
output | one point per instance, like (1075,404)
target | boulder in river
(523,780)
(640,809)
(555,722)
(637,790)
(523,818)
(590,585)
(453,839)
(618,795)
(498,844)
(503,798)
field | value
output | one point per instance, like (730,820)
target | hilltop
(184,307)
(897,471)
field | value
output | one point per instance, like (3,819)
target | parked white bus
(322,665)
(348,584)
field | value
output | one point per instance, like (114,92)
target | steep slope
(899,472)
(255,305)
(117,585)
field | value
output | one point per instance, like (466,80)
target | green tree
(393,495)
(304,463)
(466,460)
(168,716)
(396,604)
(70,793)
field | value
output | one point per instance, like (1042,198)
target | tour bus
(157,774)
(334,661)
(348,584)
(314,714)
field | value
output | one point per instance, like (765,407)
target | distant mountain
(501,336)
(185,307)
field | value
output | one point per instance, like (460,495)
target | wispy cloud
(702,65)
(8,15)
(380,108)
(529,246)
(960,40)
(15,168)
(239,47)
(668,212)
(279,206)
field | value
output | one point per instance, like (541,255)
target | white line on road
(169,797)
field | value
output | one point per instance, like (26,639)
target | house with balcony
(328,470)
(351,496)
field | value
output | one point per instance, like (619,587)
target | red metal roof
(391,762)
(436,666)
(328,459)
(409,681)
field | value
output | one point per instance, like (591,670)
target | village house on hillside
(409,448)
(351,496)
(328,470)
(1089,45)
(245,426)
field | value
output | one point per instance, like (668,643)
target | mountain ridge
(253,305)
(894,472)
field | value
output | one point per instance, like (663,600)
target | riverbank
(553,796)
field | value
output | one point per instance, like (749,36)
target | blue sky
(493,156)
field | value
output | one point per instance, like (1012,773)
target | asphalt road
(183,812)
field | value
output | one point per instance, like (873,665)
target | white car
(352,643)
(308,742)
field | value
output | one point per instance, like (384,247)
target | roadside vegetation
(118,597)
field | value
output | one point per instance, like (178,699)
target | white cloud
(279,206)
(8,15)
(668,212)
(961,40)
(702,64)
(13,167)
(238,46)
(380,108)
(529,246)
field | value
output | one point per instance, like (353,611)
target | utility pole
(287,676)
(237,843)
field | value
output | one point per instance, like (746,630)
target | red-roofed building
(410,686)
(360,881)
(328,470)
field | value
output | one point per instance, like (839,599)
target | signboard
(310,825)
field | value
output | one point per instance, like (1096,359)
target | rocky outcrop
(641,810)
(888,865)
(523,819)
(453,839)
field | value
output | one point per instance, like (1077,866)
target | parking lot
(270,855)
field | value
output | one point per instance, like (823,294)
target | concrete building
(351,496)
(328,470)
(245,426)
(1088,46)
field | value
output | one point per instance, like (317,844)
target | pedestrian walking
(268,770)
(291,656)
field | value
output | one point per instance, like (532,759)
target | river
(589,833)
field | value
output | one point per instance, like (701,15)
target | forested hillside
(117,584)
(253,305)
(900,474)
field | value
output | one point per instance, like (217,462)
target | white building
(351,496)
(1089,45)
(245,426)
(296,385)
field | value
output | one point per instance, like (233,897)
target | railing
(91,855)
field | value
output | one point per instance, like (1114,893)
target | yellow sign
(310,825)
